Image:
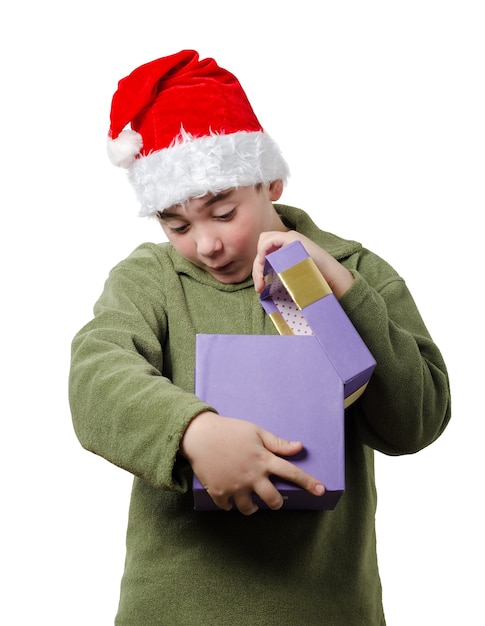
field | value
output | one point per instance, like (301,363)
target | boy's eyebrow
(218,197)
(166,214)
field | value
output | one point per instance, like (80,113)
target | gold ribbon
(353,396)
(280,324)
(304,282)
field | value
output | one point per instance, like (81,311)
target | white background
(379,108)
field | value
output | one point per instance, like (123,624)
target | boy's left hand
(337,276)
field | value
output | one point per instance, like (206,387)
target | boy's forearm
(406,405)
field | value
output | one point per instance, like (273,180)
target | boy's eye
(179,229)
(226,216)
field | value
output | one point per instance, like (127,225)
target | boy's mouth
(221,269)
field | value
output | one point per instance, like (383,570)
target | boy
(202,165)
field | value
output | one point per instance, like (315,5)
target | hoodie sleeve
(123,408)
(407,403)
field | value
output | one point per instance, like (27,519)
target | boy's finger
(278,445)
(288,471)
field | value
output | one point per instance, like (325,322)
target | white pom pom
(123,150)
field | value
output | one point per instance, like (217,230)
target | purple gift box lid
(328,321)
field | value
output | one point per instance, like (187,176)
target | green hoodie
(131,394)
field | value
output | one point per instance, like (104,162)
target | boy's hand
(234,458)
(337,276)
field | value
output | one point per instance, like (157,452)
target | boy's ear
(275,190)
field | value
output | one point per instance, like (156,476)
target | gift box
(288,386)
(296,384)
(292,276)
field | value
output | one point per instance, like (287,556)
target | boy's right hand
(234,458)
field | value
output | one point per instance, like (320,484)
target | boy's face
(220,233)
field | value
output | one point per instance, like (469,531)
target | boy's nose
(208,244)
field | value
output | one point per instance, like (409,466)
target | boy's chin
(227,277)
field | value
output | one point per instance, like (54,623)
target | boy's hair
(158,214)
(193,132)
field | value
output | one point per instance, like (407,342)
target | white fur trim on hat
(195,166)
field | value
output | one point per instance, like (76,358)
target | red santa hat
(193,132)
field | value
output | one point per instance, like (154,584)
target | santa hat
(193,132)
